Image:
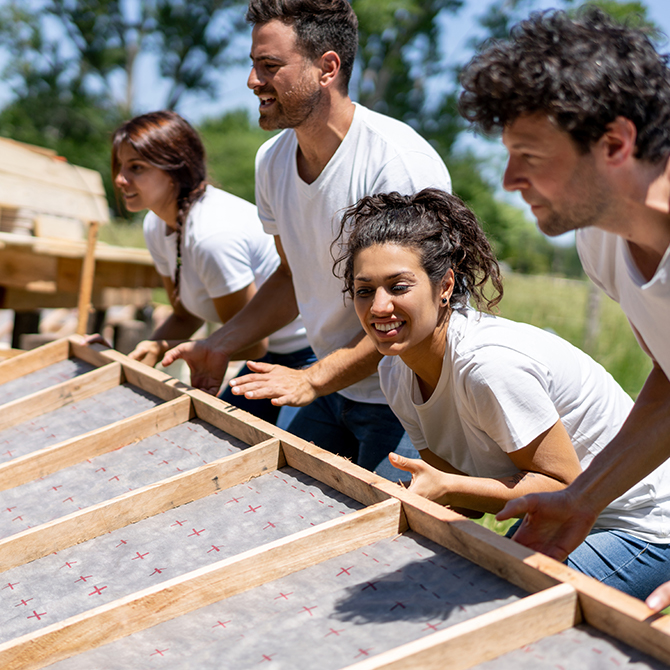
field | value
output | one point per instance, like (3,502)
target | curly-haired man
(584,109)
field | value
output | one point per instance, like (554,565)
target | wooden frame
(558,598)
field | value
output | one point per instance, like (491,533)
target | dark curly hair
(581,72)
(167,141)
(439,226)
(320,26)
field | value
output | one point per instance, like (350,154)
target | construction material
(144,522)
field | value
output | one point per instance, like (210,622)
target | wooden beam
(485,637)
(86,281)
(202,587)
(139,504)
(233,420)
(31,361)
(100,441)
(339,473)
(59,395)
(152,381)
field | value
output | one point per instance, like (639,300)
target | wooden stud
(202,587)
(31,361)
(139,504)
(99,441)
(485,637)
(86,281)
(59,395)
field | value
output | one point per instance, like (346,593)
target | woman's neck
(425,360)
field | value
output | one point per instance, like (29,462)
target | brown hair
(167,141)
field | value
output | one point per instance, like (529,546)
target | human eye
(400,287)
(362,292)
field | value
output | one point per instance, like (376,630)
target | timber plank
(36,359)
(141,503)
(59,395)
(202,587)
(487,636)
(58,456)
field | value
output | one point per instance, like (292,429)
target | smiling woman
(497,409)
(208,245)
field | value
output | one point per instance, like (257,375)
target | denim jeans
(263,408)
(364,432)
(618,559)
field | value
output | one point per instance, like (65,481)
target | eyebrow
(402,273)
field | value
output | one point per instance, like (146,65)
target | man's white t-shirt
(504,383)
(377,155)
(607,261)
(224,249)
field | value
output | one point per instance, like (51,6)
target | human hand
(554,524)
(285,386)
(208,365)
(659,598)
(427,481)
(148,352)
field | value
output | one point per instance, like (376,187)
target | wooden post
(86,283)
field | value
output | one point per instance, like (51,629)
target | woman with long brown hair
(208,245)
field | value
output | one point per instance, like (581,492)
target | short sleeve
(507,397)
(225,266)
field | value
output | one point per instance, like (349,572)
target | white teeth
(385,327)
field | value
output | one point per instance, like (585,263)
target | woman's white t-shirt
(504,383)
(224,249)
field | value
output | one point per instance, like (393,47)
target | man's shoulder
(276,147)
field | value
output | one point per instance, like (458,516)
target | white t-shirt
(224,249)
(504,383)
(377,155)
(607,261)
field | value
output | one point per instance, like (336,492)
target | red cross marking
(101,470)
(284,596)
(196,532)
(398,604)
(114,477)
(334,632)
(9,509)
(369,585)
(18,518)
(252,509)
(364,652)
(235,500)
(55,488)
(68,564)
(97,590)
(163,461)
(157,571)
(37,616)
(308,609)
(70,499)
(270,525)
(267,658)
(344,571)
(179,523)
(151,453)
(83,579)
(23,602)
(9,452)
(138,555)
(120,543)
(10,585)
(159,652)
(220,623)
(430,626)
(214,548)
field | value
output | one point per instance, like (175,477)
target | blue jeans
(618,559)
(263,408)
(364,432)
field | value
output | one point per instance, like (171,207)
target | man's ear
(618,141)
(330,67)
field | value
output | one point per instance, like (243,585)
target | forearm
(176,328)
(272,307)
(486,494)
(642,444)
(344,367)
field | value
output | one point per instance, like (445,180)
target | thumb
(406,464)
(514,509)
(259,366)
(171,356)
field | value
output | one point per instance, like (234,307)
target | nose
(253,81)
(513,179)
(382,305)
(120,180)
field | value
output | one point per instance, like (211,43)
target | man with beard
(331,153)
(584,109)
